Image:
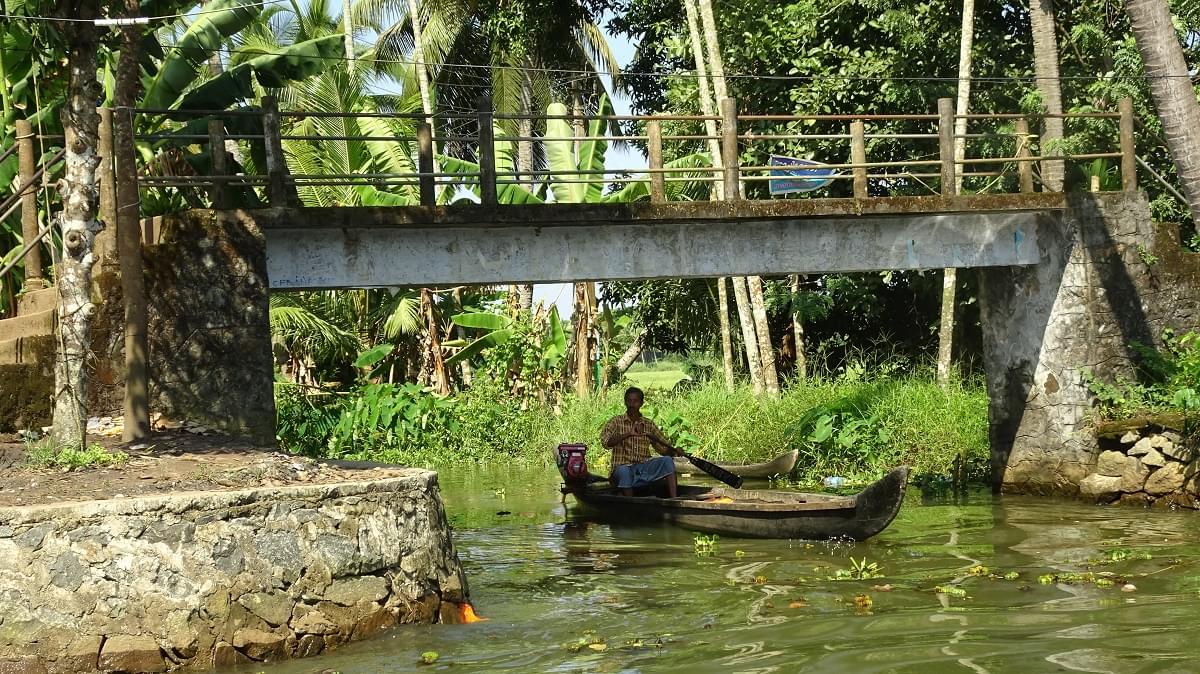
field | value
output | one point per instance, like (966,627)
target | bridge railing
(856,155)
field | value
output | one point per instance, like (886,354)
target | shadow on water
(563,595)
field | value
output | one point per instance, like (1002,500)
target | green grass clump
(856,427)
(49,455)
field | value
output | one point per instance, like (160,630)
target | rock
(1165,480)
(67,572)
(1140,447)
(1100,487)
(1133,478)
(313,622)
(132,654)
(225,655)
(1172,436)
(1160,441)
(273,607)
(259,645)
(378,620)
(1152,458)
(1110,463)
(22,666)
(81,655)
(1180,453)
(309,645)
(1129,587)
(1130,437)
(351,591)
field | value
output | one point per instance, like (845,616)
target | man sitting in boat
(630,437)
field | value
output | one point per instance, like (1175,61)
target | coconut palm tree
(1172,90)
(1045,68)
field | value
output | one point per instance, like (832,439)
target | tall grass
(874,424)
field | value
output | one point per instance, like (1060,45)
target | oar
(716,471)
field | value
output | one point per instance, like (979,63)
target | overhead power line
(138,20)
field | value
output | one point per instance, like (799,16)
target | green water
(545,582)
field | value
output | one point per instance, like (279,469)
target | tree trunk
(348,34)
(950,275)
(1171,89)
(437,365)
(762,329)
(726,339)
(716,63)
(461,333)
(79,193)
(708,107)
(626,360)
(798,333)
(1045,67)
(129,239)
(753,360)
(583,315)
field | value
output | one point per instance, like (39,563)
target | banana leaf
(294,62)
(204,37)
(482,320)
(505,194)
(494,338)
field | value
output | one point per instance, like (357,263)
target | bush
(1169,381)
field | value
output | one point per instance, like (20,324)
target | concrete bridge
(1064,282)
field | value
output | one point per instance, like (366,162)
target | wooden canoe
(780,465)
(757,513)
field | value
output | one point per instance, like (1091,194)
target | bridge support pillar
(1107,279)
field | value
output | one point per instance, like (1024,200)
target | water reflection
(546,580)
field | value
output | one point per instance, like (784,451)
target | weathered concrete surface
(364,247)
(1106,279)
(200,579)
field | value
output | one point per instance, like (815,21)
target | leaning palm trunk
(753,359)
(627,359)
(762,329)
(726,338)
(1045,67)
(81,124)
(950,275)
(1171,88)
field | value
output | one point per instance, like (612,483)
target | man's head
(633,400)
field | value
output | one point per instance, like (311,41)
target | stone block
(351,591)
(131,655)
(1100,487)
(1134,476)
(273,607)
(1166,480)
(260,645)
(309,645)
(374,622)
(225,655)
(1140,447)
(1180,452)
(1152,458)
(312,621)
(1111,464)
(81,655)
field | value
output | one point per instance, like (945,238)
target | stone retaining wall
(1146,466)
(206,579)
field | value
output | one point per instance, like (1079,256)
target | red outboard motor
(572,463)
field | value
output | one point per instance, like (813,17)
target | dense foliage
(1168,380)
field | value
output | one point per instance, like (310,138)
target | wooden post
(487,154)
(946,144)
(425,164)
(729,149)
(133,281)
(858,155)
(105,245)
(1128,147)
(1024,168)
(658,181)
(27,163)
(276,164)
(216,150)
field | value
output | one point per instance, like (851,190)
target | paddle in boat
(780,465)
(750,513)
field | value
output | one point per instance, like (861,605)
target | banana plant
(499,329)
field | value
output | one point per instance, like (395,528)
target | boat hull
(780,465)
(758,513)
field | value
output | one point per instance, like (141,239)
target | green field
(663,380)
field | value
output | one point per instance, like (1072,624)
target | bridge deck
(476,244)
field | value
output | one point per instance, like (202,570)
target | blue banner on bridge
(790,179)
